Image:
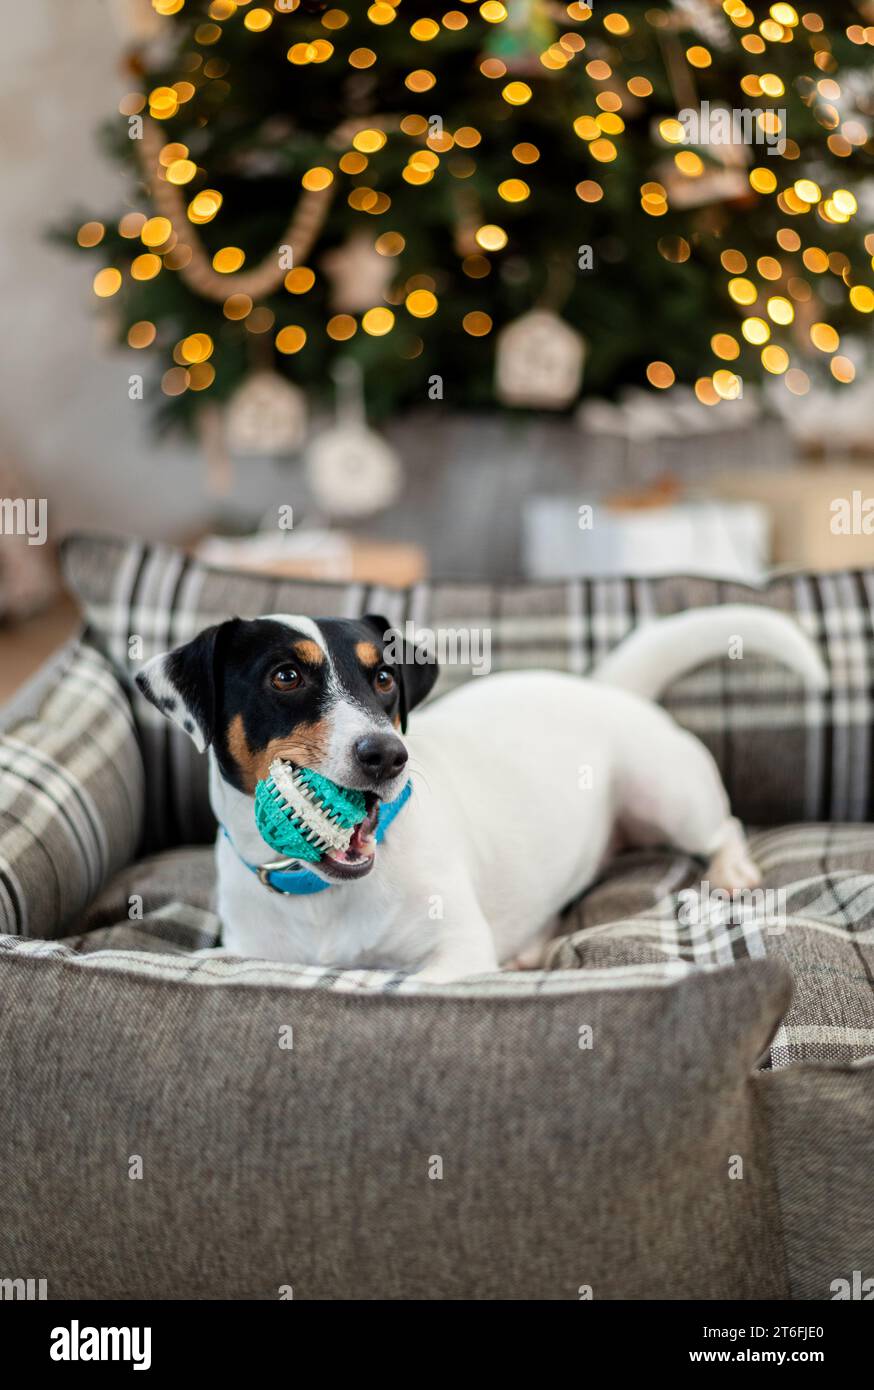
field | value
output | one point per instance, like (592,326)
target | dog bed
(657,1115)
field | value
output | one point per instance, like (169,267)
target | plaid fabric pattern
(816,913)
(71,794)
(819,768)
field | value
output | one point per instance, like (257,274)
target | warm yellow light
(341,327)
(756,331)
(228,260)
(725,346)
(197,347)
(660,375)
(735,262)
(141,334)
(824,337)
(672,131)
(491,237)
(477,324)
(145,267)
(237,306)
(258,20)
(727,385)
(775,359)
(842,369)
(513,190)
(421,304)
(300,280)
(390,244)
(204,206)
(493,12)
(807,190)
(763,180)
(699,57)
(156,231)
(517,93)
(181,171)
(742,291)
(290,339)
(603,150)
(862,298)
(90,233)
(369,141)
(420,81)
(780,310)
(845,202)
(378,322)
(106,282)
(525,153)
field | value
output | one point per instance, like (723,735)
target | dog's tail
(651,658)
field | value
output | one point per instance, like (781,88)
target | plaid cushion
(816,913)
(71,793)
(785,754)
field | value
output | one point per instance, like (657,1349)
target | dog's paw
(529,959)
(733,868)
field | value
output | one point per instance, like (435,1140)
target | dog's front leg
(467,947)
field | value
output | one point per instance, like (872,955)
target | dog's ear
(181,684)
(415,664)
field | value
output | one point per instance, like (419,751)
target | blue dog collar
(301,881)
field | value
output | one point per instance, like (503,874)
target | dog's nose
(381,755)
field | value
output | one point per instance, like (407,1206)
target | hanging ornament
(266,416)
(539,362)
(352,471)
(359,275)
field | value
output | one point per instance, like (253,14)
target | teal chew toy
(302,814)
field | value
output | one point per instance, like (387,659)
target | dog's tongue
(362,845)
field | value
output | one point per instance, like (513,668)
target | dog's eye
(285,678)
(384,681)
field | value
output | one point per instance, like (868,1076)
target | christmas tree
(677,184)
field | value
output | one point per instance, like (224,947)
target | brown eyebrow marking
(307,746)
(308,651)
(367,653)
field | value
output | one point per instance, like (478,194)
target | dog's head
(331,695)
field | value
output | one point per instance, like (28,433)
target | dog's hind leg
(670,793)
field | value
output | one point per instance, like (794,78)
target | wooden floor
(24,646)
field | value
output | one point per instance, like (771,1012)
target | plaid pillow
(815,913)
(785,754)
(71,793)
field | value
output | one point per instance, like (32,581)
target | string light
(766,292)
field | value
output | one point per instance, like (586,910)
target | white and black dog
(522,783)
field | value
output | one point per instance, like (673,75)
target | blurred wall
(65,417)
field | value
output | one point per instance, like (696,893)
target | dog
(522,783)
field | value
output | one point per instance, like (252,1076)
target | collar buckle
(275,866)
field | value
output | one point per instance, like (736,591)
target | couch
(670,1109)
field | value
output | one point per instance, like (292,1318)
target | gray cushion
(264,1167)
